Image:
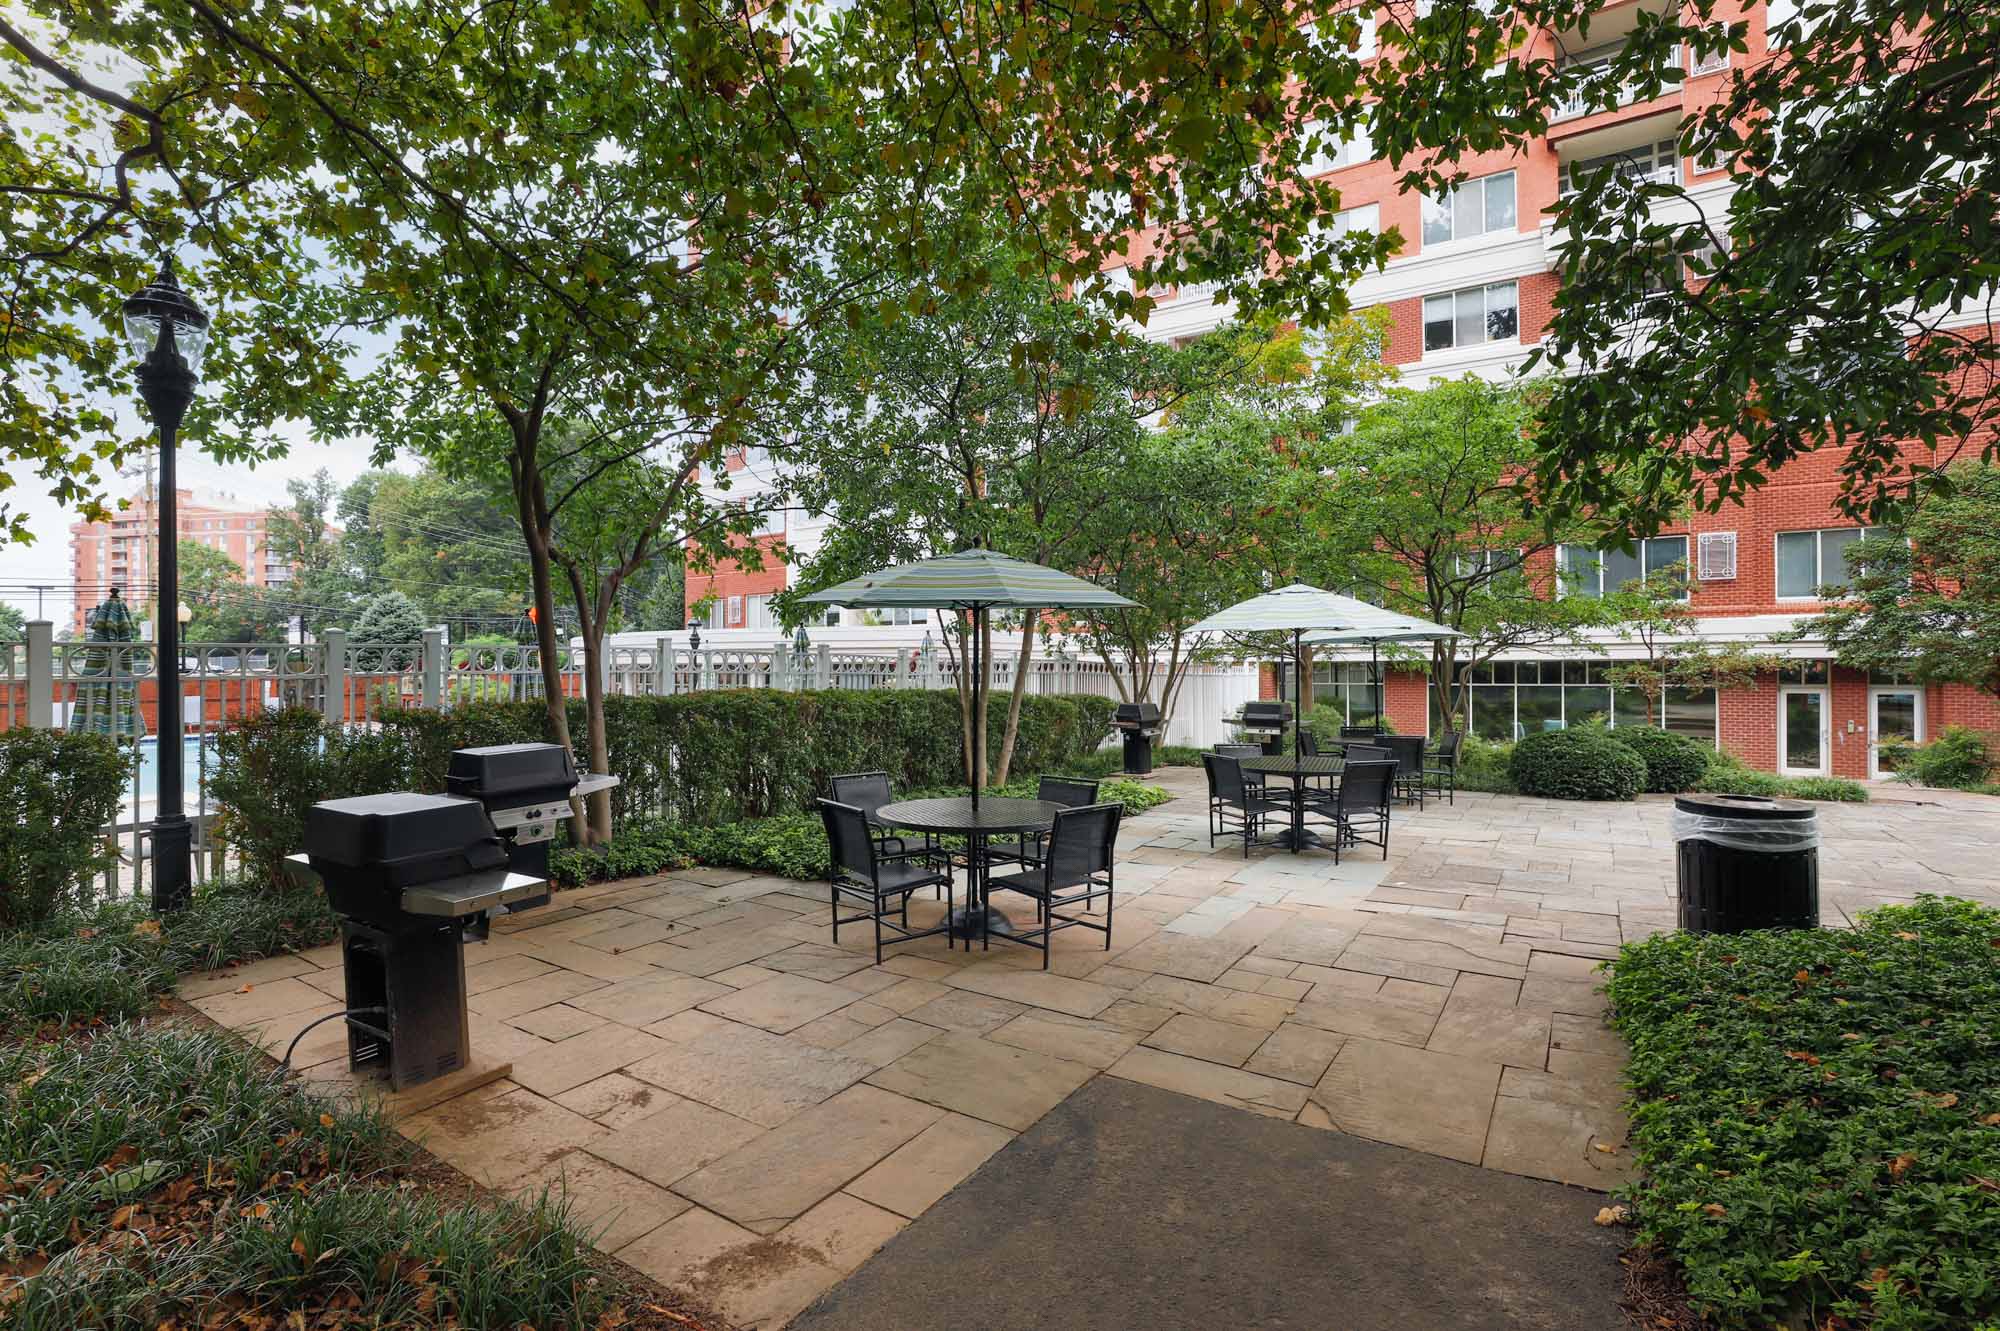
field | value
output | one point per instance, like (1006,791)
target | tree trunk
(1014,702)
(594,729)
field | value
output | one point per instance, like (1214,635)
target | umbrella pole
(1299,687)
(1375,669)
(978,710)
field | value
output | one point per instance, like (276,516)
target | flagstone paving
(747,1108)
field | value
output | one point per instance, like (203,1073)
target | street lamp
(168,333)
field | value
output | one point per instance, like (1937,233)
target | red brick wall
(1405,697)
(732,579)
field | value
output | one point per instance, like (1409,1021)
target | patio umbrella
(1293,610)
(1391,628)
(978,581)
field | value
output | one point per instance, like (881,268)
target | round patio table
(996,815)
(1298,770)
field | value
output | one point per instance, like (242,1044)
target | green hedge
(1816,1118)
(1673,762)
(1959,758)
(1581,763)
(700,759)
(58,790)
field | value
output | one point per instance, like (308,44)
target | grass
(115,962)
(169,1177)
(1816,1115)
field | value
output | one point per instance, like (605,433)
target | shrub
(1957,759)
(1831,789)
(1814,1117)
(1673,762)
(58,789)
(696,758)
(1581,763)
(1485,764)
(1729,775)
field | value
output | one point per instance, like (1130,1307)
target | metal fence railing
(112,688)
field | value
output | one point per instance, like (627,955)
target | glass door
(1894,715)
(1802,732)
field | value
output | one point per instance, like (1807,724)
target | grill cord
(285,1064)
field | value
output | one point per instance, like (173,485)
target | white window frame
(1819,561)
(1565,582)
(732,615)
(1658,161)
(1353,150)
(1486,289)
(1449,204)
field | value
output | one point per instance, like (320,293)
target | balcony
(1589,101)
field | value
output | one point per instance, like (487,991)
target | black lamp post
(168,333)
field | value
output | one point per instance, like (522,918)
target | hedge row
(57,791)
(698,758)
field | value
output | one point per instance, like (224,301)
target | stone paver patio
(750,1111)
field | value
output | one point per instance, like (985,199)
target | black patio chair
(1361,805)
(1075,870)
(884,886)
(1360,732)
(1369,753)
(1252,781)
(1233,808)
(1408,751)
(1441,765)
(1072,792)
(868,792)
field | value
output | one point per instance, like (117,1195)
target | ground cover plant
(789,845)
(1816,1115)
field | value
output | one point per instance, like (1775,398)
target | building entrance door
(1803,732)
(1895,715)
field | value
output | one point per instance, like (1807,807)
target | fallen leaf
(1609,1215)
(1604,1147)
(1803,977)
(1983,1183)
(298,1246)
(1906,935)
(1803,1057)
(123,1216)
(246,988)
(139,1178)
(1991,1120)
(326,1120)
(1716,1209)
(1901,1165)
(1849,1035)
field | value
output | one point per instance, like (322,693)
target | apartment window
(1472,208)
(1810,560)
(1347,686)
(1330,154)
(1474,315)
(1657,162)
(1487,563)
(1588,572)
(733,616)
(1119,279)
(832,619)
(1366,218)
(756,458)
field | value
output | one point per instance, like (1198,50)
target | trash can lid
(1742,806)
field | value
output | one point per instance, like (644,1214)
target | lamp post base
(173,880)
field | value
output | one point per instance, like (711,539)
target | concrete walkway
(750,1110)
(1132,1209)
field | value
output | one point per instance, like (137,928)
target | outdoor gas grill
(526,790)
(1139,722)
(407,874)
(1263,721)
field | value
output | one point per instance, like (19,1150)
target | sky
(48,558)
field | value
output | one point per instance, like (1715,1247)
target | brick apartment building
(1470,292)
(121,552)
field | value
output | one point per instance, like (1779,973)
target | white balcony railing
(1586,101)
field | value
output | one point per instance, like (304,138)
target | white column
(41,674)
(333,699)
(433,664)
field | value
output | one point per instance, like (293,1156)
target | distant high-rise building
(123,552)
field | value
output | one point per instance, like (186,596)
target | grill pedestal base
(419,977)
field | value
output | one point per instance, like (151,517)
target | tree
(388,618)
(1925,600)
(1184,524)
(13,624)
(224,608)
(937,434)
(1839,299)
(452,545)
(320,591)
(1656,615)
(1425,509)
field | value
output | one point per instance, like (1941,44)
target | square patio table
(1296,770)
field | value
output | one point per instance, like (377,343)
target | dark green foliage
(1959,758)
(1487,765)
(1729,775)
(1817,1117)
(1581,763)
(695,758)
(254,1195)
(115,961)
(789,845)
(1830,789)
(1673,762)
(58,789)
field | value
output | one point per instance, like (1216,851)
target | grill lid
(1267,710)
(1136,713)
(501,772)
(404,838)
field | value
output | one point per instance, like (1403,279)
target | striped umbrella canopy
(976,580)
(971,580)
(1392,628)
(1292,609)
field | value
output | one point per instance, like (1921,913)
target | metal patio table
(959,816)
(1297,770)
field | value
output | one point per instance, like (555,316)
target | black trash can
(1746,862)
